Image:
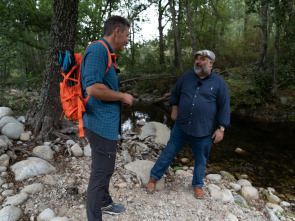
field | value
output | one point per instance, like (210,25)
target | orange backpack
(71,95)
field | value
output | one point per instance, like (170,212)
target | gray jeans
(103,152)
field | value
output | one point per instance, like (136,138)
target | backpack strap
(112,56)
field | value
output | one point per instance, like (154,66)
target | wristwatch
(222,128)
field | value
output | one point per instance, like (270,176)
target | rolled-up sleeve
(175,93)
(94,64)
(223,103)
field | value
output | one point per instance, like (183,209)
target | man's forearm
(102,92)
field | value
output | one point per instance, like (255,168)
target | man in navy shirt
(201,111)
(102,120)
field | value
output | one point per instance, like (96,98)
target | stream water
(269,158)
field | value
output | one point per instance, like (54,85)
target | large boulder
(10,213)
(31,167)
(13,130)
(160,131)
(5,111)
(8,119)
(143,168)
(44,152)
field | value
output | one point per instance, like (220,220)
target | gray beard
(203,71)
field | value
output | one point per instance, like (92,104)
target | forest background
(253,41)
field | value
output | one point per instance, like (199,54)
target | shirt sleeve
(223,103)
(175,93)
(95,64)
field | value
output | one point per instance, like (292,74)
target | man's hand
(218,136)
(127,99)
(174,113)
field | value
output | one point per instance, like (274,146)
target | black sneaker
(112,209)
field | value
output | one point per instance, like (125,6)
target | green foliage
(176,168)
(243,90)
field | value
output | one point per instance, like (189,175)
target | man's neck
(204,76)
(110,40)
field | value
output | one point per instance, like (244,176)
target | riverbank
(49,182)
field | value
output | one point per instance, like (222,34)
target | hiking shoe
(199,193)
(112,209)
(151,186)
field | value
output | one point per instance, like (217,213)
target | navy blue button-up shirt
(102,117)
(203,104)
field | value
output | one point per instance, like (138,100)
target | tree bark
(176,34)
(161,11)
(190,26)
(264,21)
(44,117)
(275,60)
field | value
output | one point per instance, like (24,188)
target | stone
(87,150)
(275,207)
(227,196)
(31,167)
(24,137)
(33,188)
(4,160)
(44,152)
(240,151)
(77,150)
(141,123)
(227,176)
(16,200)
(214,177)
(10,213)
(271,214)
(126,156)
(3,169)
(185,160)
(5,111)
(285,204)
(50,180)
(232,217)
(160,131)
(6,140)
(13,130)
(235,186)
(46,215)
(3,146)
(239,199)
(243,182)
(250,193)
(7,193)
(215,193)
(183,173)
(60,219)
(142,168)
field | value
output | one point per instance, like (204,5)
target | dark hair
(113,22)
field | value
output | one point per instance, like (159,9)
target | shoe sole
(112,213)
(199,197)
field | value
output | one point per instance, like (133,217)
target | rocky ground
(61,193)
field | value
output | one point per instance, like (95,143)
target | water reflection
(270,153)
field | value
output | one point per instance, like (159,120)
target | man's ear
(117,31)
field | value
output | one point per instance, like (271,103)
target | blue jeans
(200,145)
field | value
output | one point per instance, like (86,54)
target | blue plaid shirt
(101,117)
(202,104)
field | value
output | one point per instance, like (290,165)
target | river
(269,158)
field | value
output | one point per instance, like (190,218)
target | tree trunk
(190,26)
(275,60)
(44,117)
(161,11)
(176,34)
(264,20)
